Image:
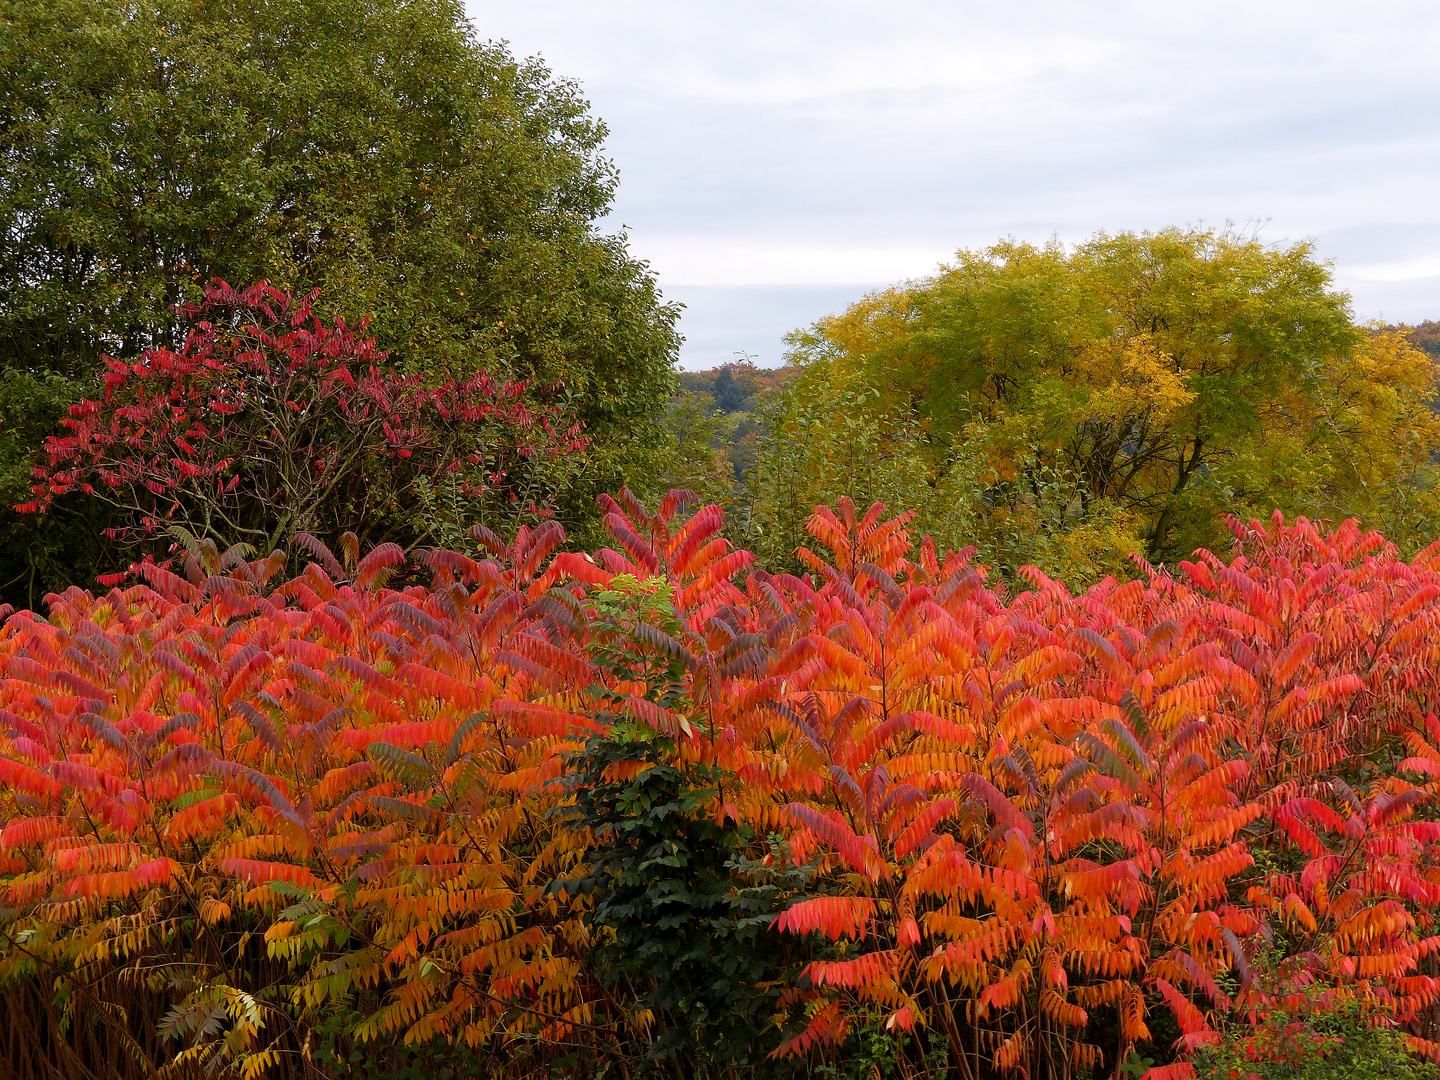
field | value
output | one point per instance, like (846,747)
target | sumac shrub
(259,825)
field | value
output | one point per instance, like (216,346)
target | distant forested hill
(1426,336)
(737,387)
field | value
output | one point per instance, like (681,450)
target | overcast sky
(779,159)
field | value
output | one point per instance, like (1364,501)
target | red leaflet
(833,916)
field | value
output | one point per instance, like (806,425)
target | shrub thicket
(657,809)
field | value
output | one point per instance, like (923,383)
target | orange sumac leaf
(833,916)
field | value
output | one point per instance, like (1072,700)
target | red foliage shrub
(268,423)
(1038,818)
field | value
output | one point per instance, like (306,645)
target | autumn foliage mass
(275,825)
(415,676)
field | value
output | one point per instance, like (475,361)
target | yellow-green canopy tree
(1169,376)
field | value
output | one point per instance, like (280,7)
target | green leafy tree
(375,149)
(682,909)
(698,441)
(828,437)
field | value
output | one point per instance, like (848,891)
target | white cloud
(726,261)
(1427,266)
(806,143)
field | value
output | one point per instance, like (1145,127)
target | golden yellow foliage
(1137,385)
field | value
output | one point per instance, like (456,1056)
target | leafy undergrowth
(657,811)
(1314,1041)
